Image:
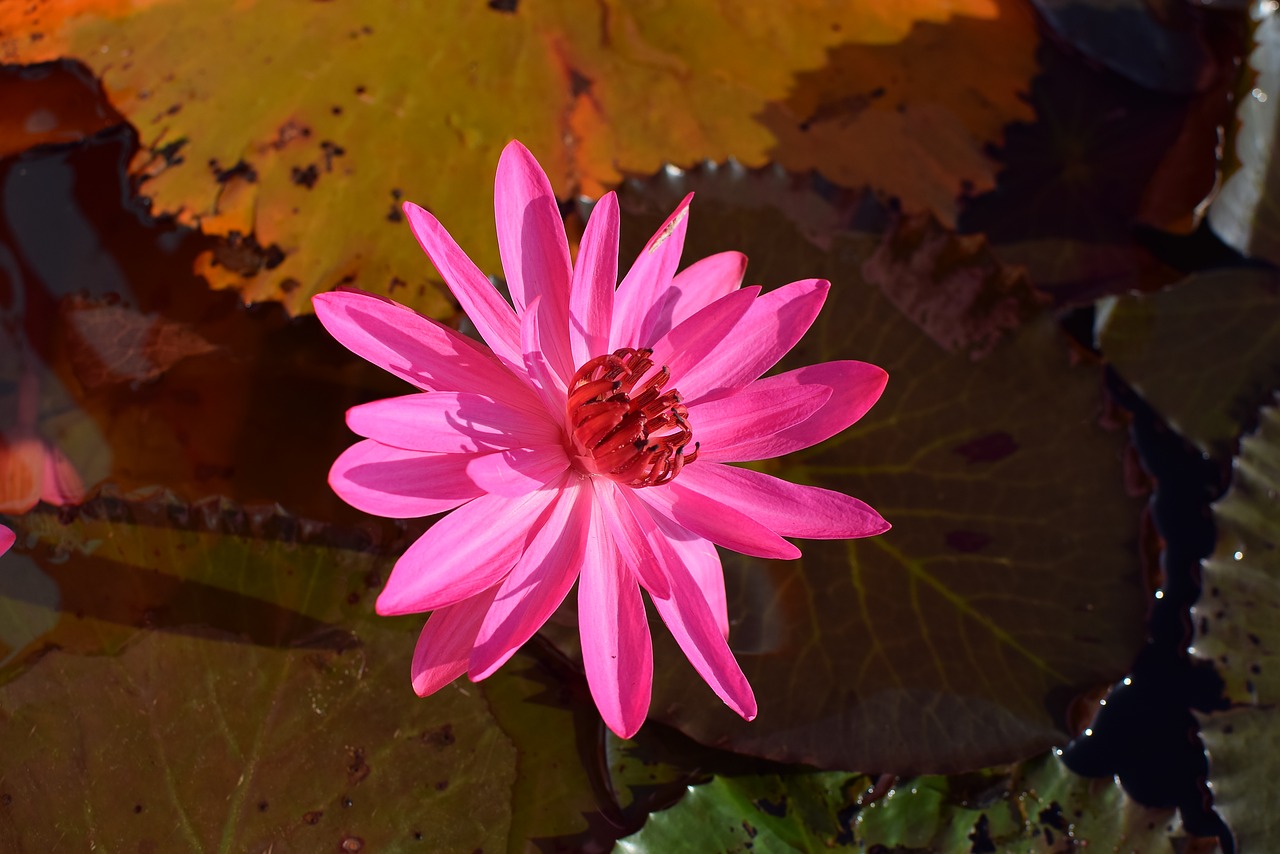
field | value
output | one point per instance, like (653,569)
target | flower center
(625,429)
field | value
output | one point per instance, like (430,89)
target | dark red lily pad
(1205,353)
(196,677)
(1010,580)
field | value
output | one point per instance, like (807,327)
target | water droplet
(1238,555)
(1159,594)
(1127,681)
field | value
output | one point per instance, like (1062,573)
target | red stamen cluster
(629,431)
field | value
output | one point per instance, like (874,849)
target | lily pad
(1237,628)
(1010,580)
(1036,807)
(1245,213)
(226,685)
(301,165)
(1205,353)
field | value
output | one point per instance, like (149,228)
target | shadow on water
(1146,734)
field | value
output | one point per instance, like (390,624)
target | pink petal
(694,288)
(549,384)
(445,643)
(695,628)
(855,387)
(450,422)
(705,281)
(702,560)
(465,553)
(401,484)
(642,292)
(632,534)
(516,471)
(534,250)
(7,539)
(770,328)
(701,335)
(537,584)
(788,508)
(486,308)
(715,520)
(757,411)
(616,649)
(416,348)
(61,484)
(595,275)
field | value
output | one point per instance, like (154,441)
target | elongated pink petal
(718,522)
(537,584)
(445,643)
(705,281)
(770,328)
(415,348)
(549,385)
(755,411)
(617,652)
(693,289)
(631,536)
(7,539)
(700,336)
(486,308)
(450,422)
(855,387)
(702,560)
(515,471)
(465,553)
(534,249)
(641,299)
(695,628)
(595,276)
(61,484)
(401,484)
(789,508)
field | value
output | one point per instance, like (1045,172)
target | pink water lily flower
(590,441)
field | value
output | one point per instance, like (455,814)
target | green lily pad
(1244,213)
(1010,580)
(1036,807)
(1205,353)
(188,686)
(1237,628)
